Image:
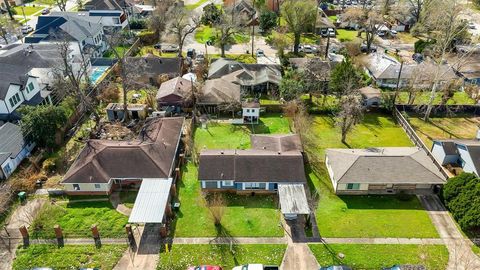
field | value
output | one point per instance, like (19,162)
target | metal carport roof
(293,199)
(151,201)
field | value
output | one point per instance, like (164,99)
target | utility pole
(253,26)
(398,84)
(7,5)
(24,17)
(327,47)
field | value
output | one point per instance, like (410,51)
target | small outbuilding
(250,112)
(371,96)
(115,111)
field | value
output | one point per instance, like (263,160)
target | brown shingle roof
(251,166)
(176,86)
(150,156)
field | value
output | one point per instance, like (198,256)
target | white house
(13,149)
(458,152)
(110,13)
(250,112)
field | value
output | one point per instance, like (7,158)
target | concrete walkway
(121,208)
(461,256)
(298,255)
(236,240)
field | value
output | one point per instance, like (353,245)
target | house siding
(13,162)
(88,188)
(467,165)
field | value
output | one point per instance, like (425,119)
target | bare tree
(351,113)
(74,79)
(62,5)
(6,28)
(217,205)
(129,70)
(443,24)
(182,24)
(227,26)
(156,22)
(369,19)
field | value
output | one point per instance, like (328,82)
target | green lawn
(360,256)
(122,50)
(76,218)
(375,130)
(127,197)
(460,98)
(180,257)
(457,127)
(194,6)
(363,216)
(333,18)
(373,216)
(226,136)
(345,35)
(29,10)
(243,58)
(244,215)
(144,50)
(205,33)
(68,257)
(476,249)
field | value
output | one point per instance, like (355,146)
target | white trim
(230,183)
(203,184)
(219,184)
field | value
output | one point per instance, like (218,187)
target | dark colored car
(45,11)
(191,53)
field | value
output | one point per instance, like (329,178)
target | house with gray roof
(385,71)
(385,170)
(87,33)
(250,77)
(461,153)
(13,149)
(112,14)
(25,77)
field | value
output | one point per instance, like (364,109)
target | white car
(26,29)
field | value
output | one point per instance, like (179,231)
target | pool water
(97,72)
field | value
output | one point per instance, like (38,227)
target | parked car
(256,266)
(205,267)
(191,53)
(417,57)
(26,29)
(331,32)
(260,53)
(405,267)
(200,58)
(45,11)
(307,49)
(335,267)
(471,25)
(166,47)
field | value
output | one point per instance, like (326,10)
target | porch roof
(293,199)
(151,201)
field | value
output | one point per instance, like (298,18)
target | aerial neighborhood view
(239,134)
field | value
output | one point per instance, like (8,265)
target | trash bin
(22,196)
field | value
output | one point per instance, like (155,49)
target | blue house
(13,149)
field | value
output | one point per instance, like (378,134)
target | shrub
(109,94)
(147,37)
(420,45)
(138,24)
(49,165)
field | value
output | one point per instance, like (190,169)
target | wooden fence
(416,140)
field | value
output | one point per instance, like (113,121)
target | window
(97,185)
(30,87)
(7,169)
(355,186)
(227,183)
(14,100)
(248,110)
(255,185)
(76,187)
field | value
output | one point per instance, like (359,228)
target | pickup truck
(255,266)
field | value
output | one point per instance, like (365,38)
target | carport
(152,201)
(293,200)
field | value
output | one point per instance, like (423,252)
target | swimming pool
(97,72)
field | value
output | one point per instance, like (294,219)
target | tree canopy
(268,20)
(300,17)
(461,195)
(40,123)
(344,78)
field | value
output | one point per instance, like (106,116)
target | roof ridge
(357,157)
(428,169)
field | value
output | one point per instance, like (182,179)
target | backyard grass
(459,98)
(375,130)
(455,127)
(244,215)
(75,218)
(363,216)
(333,18)
(476,249)
(127,197)
(227,136)
(406,37)
(29,10)
(122,50)
(144,50)
(68,257)
(345,35)
(183,256)
(359,256)
(243,58)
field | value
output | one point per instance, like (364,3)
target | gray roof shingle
(11,141)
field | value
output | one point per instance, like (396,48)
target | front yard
(29,10)
(360,256)
(364,216)
(75,218)
(180,257)
(244,215)
(456,127)
(68,257)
